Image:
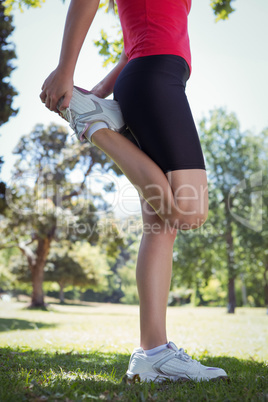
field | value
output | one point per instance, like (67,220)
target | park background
(228,80)
(70,222)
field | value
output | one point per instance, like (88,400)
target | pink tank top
(153,27)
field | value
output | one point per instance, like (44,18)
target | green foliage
(127,275)
(228,155)
(110,240)
(119,241)
(42,192)
(222,9)
(11,4)
(110,50)
(39,197)
(93,264)
(253,244)
(125,266)
(234,239)
(7,54)
(6,278)
(45,203)
(77,264)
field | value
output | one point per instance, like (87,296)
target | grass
(80,353)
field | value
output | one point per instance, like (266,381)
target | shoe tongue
(172,346)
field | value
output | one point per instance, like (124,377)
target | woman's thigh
(190,191)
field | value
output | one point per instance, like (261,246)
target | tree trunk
(244,291)
(38,272)
(230,262)
(231,296)
(37,280)
(61,294)
(266,284)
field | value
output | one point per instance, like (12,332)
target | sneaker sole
(151,377)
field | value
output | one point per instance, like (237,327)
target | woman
(165,163)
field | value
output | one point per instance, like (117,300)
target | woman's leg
(154,264)
(154,267)
(184,195)
(179,198)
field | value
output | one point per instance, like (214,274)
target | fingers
(57,90)
(65,101)
(43,96)
(50,101)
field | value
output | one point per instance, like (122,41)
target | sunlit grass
(76,353)
(115,328)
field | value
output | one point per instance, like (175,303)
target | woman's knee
(186,220)
(162,231)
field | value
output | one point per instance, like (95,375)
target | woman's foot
(170,364)
(85,109)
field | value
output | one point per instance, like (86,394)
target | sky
(229,60)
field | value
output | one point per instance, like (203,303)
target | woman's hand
(57,85)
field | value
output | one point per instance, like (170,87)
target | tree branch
(27,251)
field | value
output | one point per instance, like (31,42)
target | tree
(254,243)
(45,203)
(124,267)
(229,162)
(2,192)
(232,245)
(7,92)
(222,8)
(197,258)
(11,4)
(7,54)
(7,279)
(77,264)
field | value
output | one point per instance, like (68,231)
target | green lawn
(80,353)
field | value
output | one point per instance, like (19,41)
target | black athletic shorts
(151,94)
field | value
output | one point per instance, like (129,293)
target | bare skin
(176,200)
(183,204)
(179,198)
(154,268)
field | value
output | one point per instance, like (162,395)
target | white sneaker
(86,108)
(170,364)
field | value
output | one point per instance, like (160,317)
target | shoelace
(182,355)
(68,117)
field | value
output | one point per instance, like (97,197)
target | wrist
(67,71)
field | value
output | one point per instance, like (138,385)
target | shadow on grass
(13,324)
(57,302)
(73,304)
(41,376)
